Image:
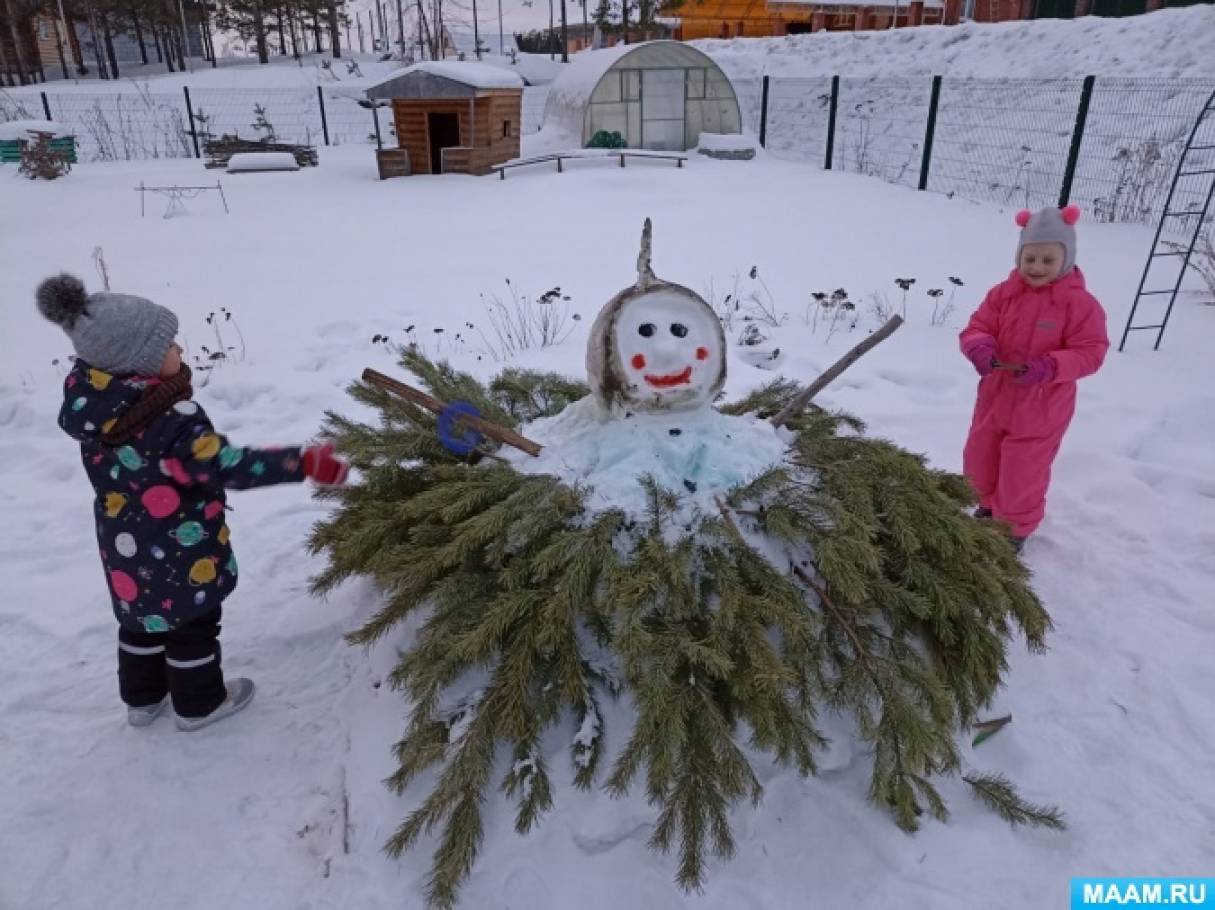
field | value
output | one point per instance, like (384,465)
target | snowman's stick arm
(798,404)
(435,406)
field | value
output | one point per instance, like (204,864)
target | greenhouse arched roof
(656,95)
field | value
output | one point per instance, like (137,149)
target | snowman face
(670,350)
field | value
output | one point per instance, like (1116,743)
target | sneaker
(982,512)
(141,717)
(240,693)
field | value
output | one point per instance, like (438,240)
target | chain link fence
(1008,141)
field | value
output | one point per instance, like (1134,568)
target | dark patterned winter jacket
(160,502)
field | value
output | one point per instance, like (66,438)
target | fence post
(763,116)
(375,116)
(320,97)
(835,97)
(930,130)
(46,106)
(1073,156)
(190,114)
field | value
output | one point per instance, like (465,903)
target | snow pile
(242,162)
(700,454)
(727,142)
(478,75)
(25,129)
(1176,43)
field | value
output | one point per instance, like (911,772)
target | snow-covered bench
(243,162)
(588,155)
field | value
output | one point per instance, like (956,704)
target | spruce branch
(998,794)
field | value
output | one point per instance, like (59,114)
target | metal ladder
(1197,160)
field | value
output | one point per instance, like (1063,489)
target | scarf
(154,401)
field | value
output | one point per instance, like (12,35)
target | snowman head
(656,346)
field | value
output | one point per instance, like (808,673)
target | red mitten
(323,467)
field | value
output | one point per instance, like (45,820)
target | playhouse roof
(443,79)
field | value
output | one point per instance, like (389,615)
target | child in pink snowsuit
(1034,335)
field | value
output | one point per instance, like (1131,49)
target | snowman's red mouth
(670,380)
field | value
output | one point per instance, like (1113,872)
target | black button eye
(679,330)
(646,330)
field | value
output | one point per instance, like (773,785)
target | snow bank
(243,162)
(727,142)
(24,129)
(1176,43)
(699,454)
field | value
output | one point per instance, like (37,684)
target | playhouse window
(505,129)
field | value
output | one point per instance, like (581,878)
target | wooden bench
(560,157)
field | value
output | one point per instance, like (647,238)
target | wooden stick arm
(435,406)
(798,404)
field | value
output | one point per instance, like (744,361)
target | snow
(477,75)
(1114,723)
(700,454)
(262,161)
(24,129)
(728,142)
(1174,43)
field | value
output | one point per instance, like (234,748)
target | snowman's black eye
(679,330)
(646,329)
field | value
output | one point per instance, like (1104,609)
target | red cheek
(702,353)
(638,362)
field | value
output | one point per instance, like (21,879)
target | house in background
(50,52)
(694,19)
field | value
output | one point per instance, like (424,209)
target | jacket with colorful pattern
(160,504)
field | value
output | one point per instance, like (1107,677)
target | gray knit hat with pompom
(116,333)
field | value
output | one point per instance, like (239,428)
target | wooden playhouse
(450,118)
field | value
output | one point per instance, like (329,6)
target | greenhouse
(658,95)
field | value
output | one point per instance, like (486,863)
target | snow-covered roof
(444,78)
(22,129)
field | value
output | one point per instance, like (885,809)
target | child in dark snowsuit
(160,471)
(1036,333)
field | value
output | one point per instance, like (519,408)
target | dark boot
(982,512)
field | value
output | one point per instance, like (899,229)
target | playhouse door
(662,110)
(444,132)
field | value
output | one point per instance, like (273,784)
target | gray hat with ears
(116,333)
(1051,225)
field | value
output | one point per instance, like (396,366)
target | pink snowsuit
(1017,429)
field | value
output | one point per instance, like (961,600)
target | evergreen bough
(887,601)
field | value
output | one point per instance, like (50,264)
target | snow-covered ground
(282,806)
(1173,43)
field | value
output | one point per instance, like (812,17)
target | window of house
(505,129)
(44,30)
(742,27)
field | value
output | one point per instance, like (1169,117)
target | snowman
(655,346)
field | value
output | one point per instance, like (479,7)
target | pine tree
(888,603)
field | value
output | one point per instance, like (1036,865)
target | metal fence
(1111,144)
(143,124)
